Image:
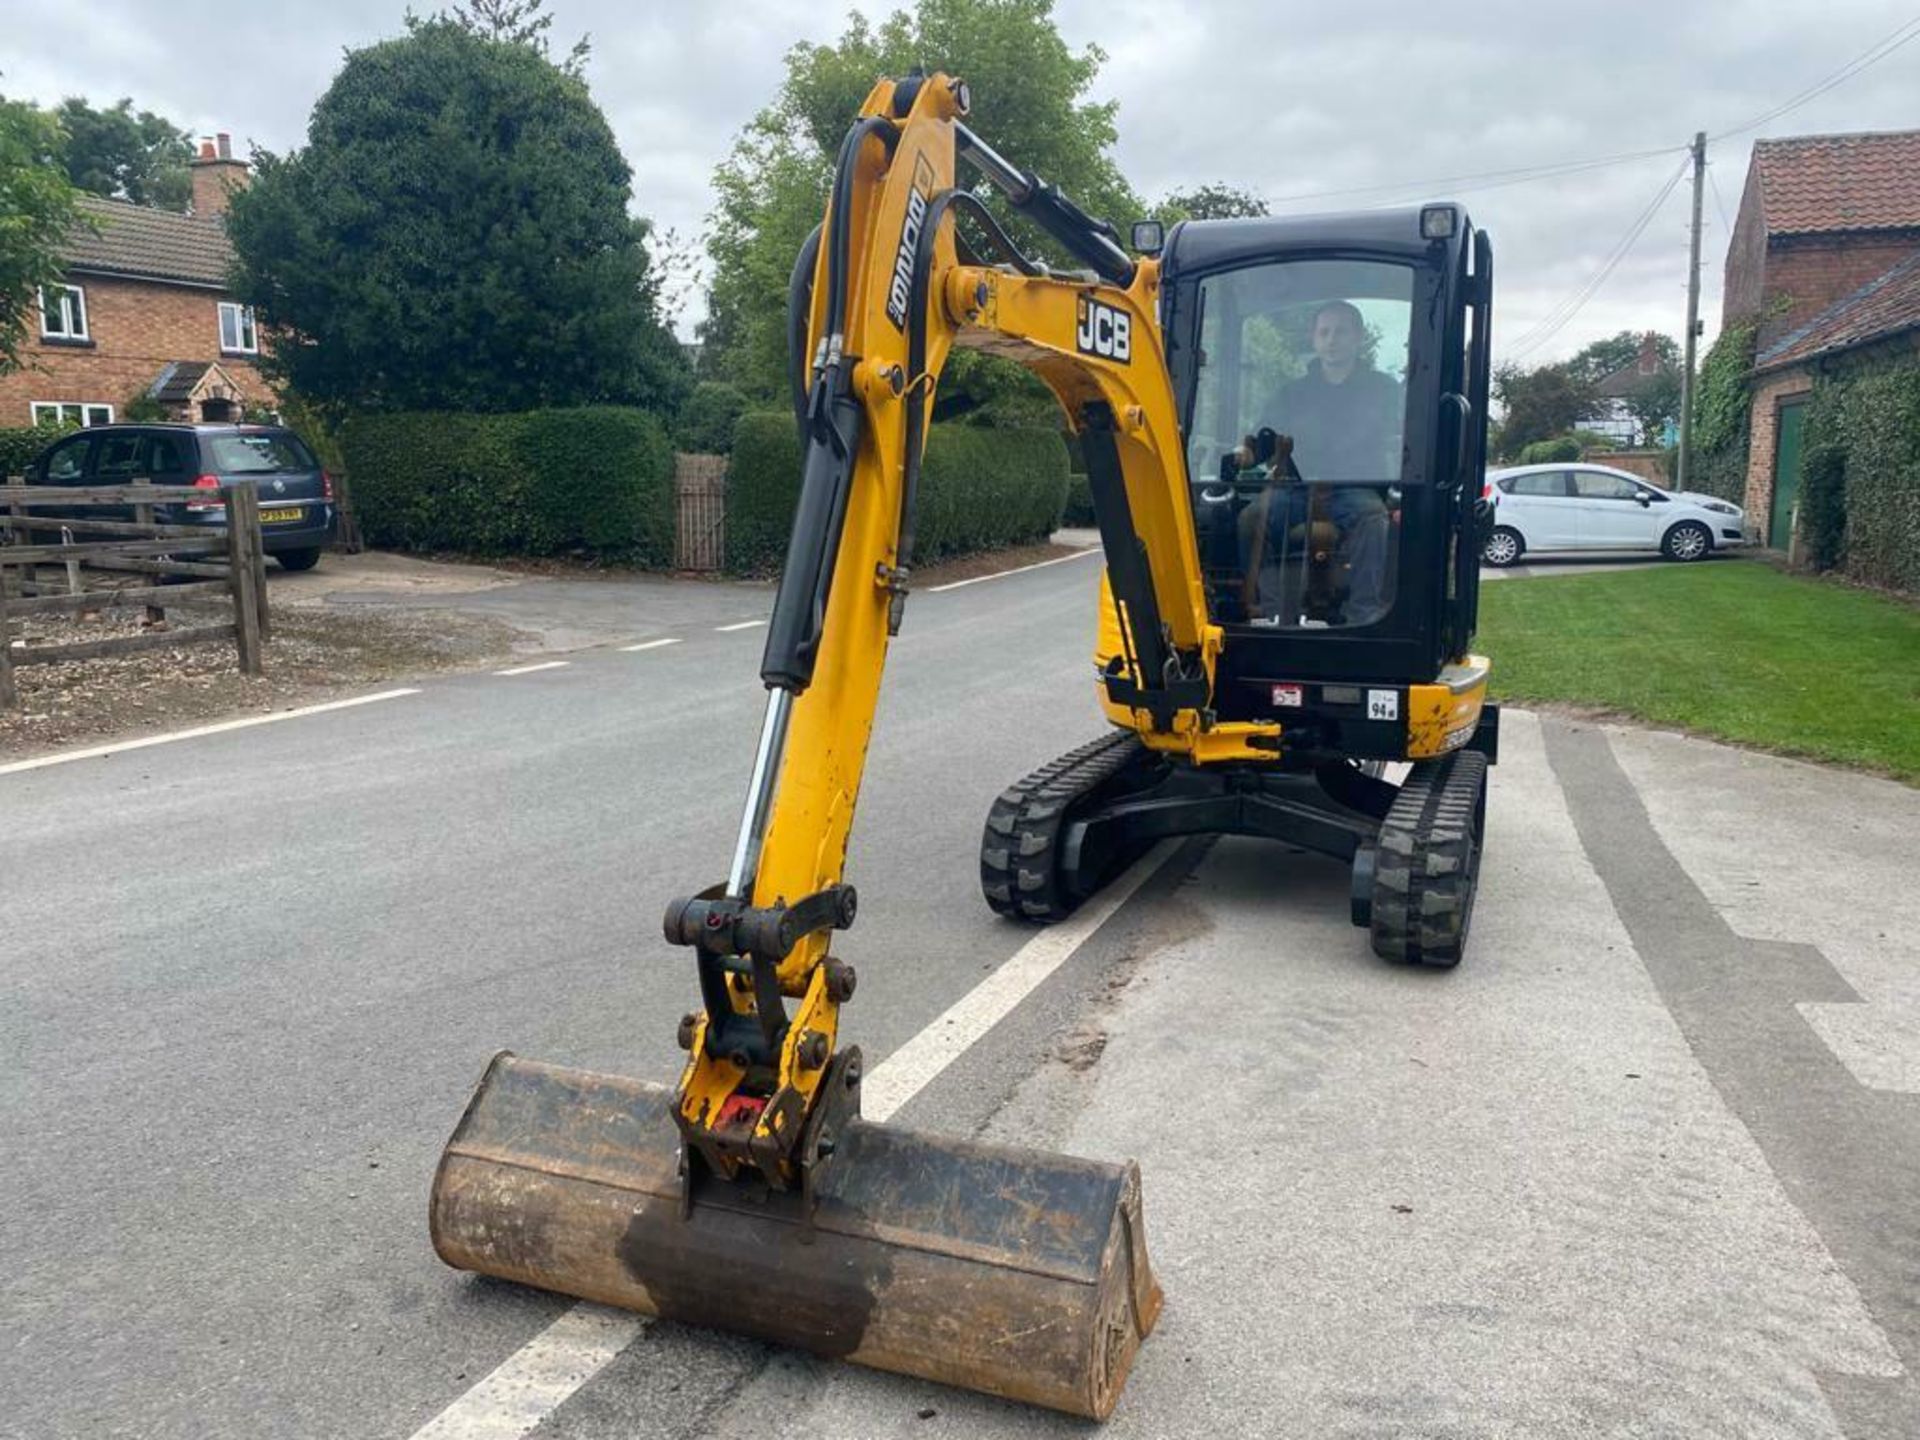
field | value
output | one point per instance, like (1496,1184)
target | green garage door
(1786,473)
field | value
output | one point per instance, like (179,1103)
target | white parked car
(1571,506)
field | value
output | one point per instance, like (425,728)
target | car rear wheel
(1689,540)
(1503,547)
(298,559)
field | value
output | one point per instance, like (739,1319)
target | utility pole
(1693,310)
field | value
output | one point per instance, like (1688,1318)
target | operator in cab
(1345,418)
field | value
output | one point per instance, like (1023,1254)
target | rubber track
(1427,862)
(1020,848)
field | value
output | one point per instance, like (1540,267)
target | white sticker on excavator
(1383,704)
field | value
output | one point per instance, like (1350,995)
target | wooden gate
(700,511)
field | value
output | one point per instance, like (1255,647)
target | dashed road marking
(1017,570)
(740,625)
(529,669)
(42,761)
(651,644)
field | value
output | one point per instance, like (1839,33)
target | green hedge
(705,423)
(543,482)
(20,443)
(980,489)
(1870,414)
(1079,506)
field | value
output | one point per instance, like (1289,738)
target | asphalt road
(1643,1165)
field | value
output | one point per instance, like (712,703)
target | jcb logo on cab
(1104,331)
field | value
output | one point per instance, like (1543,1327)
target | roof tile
(1881,308)
(150,244)
(1818,184)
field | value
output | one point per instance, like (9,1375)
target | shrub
(705,423)
(1547,452)
(1079,507)
(980,489)
(20,443)
(542,482)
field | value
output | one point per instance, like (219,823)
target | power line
(1871,56)
(1557,318)
(1719,204)
(1521,174)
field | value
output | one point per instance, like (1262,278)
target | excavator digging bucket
(1010,1271)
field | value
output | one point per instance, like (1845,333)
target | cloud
(1287,101)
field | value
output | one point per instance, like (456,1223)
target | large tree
(1539,404)
(126,156)
(455,235)
(1030,98)
(1211,202)
(1603,357)
(36,213)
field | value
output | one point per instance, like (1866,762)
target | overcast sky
(1391,99)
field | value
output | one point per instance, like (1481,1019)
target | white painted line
(1017,570)
(651,644)
(742,625)
(536,1379)
(41,762)
(532,1384)
(529,669)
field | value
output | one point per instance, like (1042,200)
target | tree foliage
(1539,404)
(121,155)
(454,236)
(1030,98)
(1210,202)
(1603,357)
(36,213)
(518,22)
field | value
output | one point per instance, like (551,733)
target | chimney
(216,175)
(1649,354)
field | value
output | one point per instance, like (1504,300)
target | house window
(63,312)
(236,329)
(63,412)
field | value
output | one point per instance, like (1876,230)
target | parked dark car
(297,515)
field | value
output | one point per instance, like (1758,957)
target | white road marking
(651,644)
(536,1379)
(1017,570)
(41,762)
(742,625)
(529,669)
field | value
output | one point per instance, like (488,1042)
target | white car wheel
(1689,540)
(1503,547)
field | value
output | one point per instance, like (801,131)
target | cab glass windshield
(1297,439)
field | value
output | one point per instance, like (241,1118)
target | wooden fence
(92,558)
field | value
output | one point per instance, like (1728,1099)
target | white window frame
(243,328)
(72,301)
(91,412)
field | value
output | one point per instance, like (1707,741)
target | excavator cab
(1328,370)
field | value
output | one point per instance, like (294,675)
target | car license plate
(268,517)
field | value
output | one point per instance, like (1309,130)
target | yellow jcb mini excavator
(1283,425)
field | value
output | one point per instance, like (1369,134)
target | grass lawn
(1733,649)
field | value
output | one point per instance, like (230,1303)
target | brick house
(1821,258)
(144,310)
